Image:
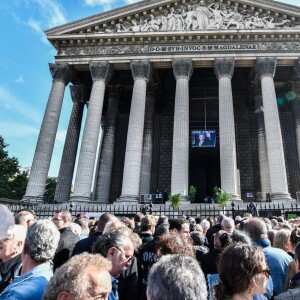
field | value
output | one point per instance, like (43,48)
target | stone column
(61,74)
(182,69)
(102,184)
(265,186)
(148,142)
(66,170)
(224,68)
(101,72)
(296,107)
(141,72)
(265,69)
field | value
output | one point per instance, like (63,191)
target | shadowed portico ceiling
(170,28)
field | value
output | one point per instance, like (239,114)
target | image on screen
(203,138)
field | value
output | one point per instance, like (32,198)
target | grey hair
(42,240)
(281,239)
(115,238)
(240,237)
(73,276)
(256,229)
(176,277)
(18,233)
(198,238)
(227,223)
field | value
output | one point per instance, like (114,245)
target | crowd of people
(148,257)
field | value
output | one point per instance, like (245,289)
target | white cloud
(20,79)
(131,1)
(11,103)
(34,24)
(106,4)
(17,130)
(52,12)
(61,136)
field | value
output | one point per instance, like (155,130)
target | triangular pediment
(185,16)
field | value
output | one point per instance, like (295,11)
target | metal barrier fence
(195,210)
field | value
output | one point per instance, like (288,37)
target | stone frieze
(156,49)
(203,16)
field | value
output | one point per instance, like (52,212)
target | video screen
(203,138)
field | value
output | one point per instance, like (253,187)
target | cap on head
(7,221)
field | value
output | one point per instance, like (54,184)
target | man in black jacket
(85,245)
(68,239)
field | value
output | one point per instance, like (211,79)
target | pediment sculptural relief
(203,16)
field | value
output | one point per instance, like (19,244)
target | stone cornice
(141,9)
(148,38)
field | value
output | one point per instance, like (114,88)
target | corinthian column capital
(61,72)
(101,70)
(182,68)
(265,66)
(224,67)
(79,93)
(141,69)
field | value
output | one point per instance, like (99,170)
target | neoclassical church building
(202,93)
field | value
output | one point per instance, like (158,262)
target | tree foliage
(12,181)
(50,189)
(221,197)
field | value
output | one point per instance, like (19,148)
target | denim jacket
(278,261)
(114,291)
(294,292)
(29,286)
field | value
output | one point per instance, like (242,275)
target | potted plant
(221,197)
(192,193)
(175,200)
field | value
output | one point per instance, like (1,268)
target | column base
(131,199)
(280,196)
(185,199)
(32,199)
(84,199)
(235,197)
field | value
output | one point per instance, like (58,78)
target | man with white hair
(117,247)
(176,277)
(205,225)
(228,225)
(84,276)
(39,248)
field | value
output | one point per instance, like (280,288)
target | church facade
(187,93)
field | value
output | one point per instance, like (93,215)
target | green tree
(50,189)
(9,168)
(18,185)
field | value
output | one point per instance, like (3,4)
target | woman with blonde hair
(11,248)
(283,241)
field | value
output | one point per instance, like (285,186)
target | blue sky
(25,80)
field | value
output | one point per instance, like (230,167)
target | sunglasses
(266,272)
(127,257)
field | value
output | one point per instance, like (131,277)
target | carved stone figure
(179,20)
(200,17)
(217,14)
(153,24)
(190,20)
(171,17)
(234,19)
(202,14)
